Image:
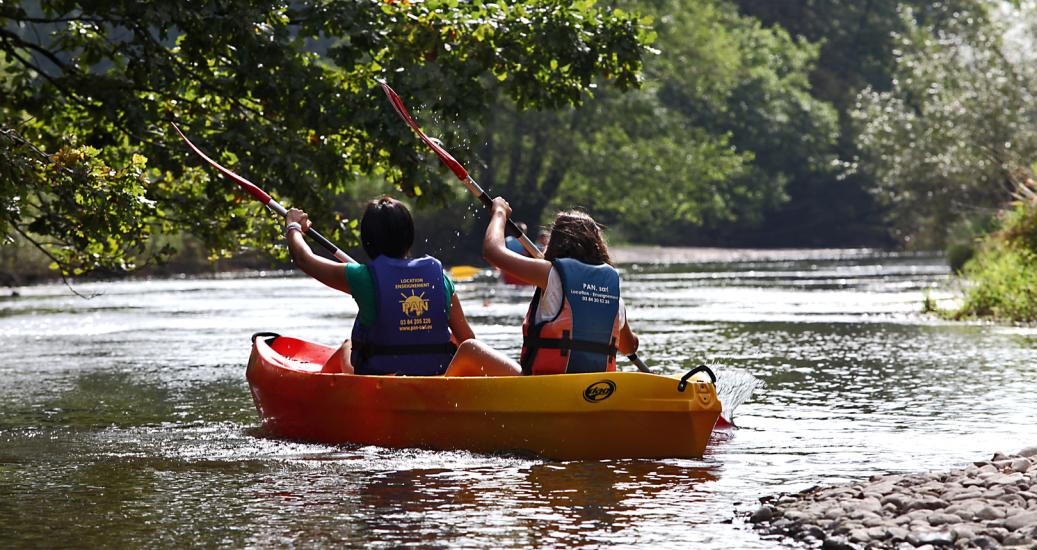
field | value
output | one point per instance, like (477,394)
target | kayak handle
(264,335)
(701,368)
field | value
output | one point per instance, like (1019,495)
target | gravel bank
(991,504)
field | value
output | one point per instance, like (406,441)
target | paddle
(472,186)
(266,199)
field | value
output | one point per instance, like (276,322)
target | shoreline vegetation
(23,265)
(990,504)
(1000,276)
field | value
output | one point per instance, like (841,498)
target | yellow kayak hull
(563,417)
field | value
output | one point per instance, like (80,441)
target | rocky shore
(991,504)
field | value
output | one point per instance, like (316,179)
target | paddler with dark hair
(576,321)
(409,316)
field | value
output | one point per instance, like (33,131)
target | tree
(284,92)
(690,150)
(953,138)
(835,205)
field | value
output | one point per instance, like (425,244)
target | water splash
(734,387)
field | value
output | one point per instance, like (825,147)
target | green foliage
(948,142)
(86,214)
(704,144)
(282,93)
(836,206)
(1003,275)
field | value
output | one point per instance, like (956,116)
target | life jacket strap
(566,344)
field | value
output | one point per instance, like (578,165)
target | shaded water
(125,420)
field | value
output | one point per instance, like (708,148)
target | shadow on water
(100,399)
(96,399)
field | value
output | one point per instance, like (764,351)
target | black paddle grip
(510,228)
(641,366)
(313,234)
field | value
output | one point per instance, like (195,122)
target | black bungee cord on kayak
(683,384)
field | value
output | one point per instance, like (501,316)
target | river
(126,421)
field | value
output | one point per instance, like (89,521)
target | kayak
(510,279)
(562,417)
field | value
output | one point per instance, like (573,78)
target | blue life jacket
(582,336)
(411,333)
(515,245)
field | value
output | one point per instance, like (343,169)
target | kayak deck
(565,417)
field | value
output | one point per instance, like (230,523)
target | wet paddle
(266,199)
(472,186)
(456,168)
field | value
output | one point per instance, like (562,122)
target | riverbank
(23,265)
(1002,277)
(990,504)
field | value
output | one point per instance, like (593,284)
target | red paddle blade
(244,183)
(401,110)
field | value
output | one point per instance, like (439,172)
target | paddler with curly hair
(409,316)
(576,321)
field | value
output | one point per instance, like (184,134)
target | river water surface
(125,420)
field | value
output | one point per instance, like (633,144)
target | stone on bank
(991,504)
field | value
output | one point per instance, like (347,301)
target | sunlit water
(125,420)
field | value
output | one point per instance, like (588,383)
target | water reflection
(605,498)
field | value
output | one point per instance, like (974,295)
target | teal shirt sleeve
(361,286)
(448,287)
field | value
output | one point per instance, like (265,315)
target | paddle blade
(401,110)
(248,186)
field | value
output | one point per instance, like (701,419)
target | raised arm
(329,272)
(531,270)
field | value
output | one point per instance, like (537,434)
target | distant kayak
(510,279)
(563,417)
(464,272)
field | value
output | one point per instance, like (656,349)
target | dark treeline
(767,123)
(681,122)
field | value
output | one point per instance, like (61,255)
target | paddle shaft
(456,167)
(266,199)
(512,227)
(472,185)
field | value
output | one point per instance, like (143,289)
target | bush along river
(125,420)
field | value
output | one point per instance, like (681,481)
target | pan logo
(414,304)
(599,391)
